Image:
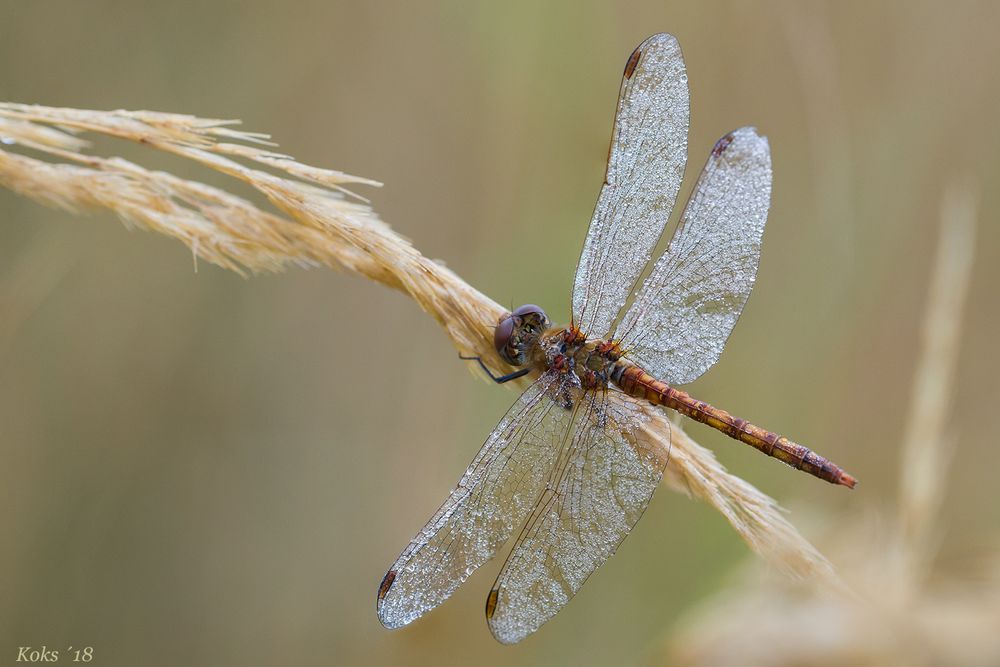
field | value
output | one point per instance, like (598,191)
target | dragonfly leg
(502,378)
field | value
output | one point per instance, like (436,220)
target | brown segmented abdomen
(634,381)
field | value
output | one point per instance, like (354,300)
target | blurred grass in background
(210,470)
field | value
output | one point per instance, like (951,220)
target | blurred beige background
(202,469)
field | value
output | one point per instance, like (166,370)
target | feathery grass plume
(896,616)
(927,446)
(321,223)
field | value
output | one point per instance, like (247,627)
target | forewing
(644,172)
(494,496)
(603,482)
(686,309)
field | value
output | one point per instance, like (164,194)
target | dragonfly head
(516,332)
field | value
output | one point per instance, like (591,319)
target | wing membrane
(645,168)
(494,496)
(603,484)
(686,309)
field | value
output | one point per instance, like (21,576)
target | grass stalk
(318,221)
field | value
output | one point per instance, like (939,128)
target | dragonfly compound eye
(530,309)
(501,336)
(517,332)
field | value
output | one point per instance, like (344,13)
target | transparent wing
(494,496)
(686,309)
(645,168)
(603,482)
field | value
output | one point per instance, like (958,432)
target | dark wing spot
(722,144)
(491,603)
(386,584)
(633,60)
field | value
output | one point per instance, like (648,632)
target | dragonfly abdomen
(636,382)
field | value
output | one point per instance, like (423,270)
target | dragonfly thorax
(590,363)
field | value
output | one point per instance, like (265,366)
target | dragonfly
(565,463)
